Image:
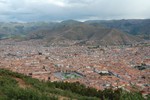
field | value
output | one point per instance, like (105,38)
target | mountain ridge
(89,31)
(82,31)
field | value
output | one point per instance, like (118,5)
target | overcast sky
(57,10)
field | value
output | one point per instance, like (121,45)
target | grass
(10,90)
(70,75)
(39,90)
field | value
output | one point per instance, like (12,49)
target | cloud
(50,10)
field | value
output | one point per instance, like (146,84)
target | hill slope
(116,37)
(78,31)
(70,30)
(15,86)
(132,26)
(14,29)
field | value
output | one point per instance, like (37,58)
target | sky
(58,10)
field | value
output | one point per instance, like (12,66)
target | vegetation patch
(15,86)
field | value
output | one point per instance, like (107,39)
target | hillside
(78,31)
(113,32)
(116,37)
(11,29)
(19,87)
(133,26)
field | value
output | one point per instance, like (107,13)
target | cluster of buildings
(101,67)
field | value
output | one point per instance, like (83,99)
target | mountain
(79,31)
(116,37)
(10,29)
(137,27)
(97,32)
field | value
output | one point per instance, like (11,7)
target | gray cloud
(50,10)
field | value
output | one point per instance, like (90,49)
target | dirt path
(21,83)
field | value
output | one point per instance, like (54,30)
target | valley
(98,67)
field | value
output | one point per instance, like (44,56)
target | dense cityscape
(101,67)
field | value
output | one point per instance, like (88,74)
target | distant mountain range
(133,26)
(82,31)
(98,32)
(14,28)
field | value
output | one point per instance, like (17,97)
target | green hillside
(15,86)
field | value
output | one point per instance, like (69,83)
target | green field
(71,75)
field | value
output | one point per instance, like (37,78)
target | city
(101,67)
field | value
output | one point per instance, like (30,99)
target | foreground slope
(17,86)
